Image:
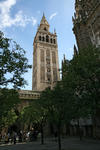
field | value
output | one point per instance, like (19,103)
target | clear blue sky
(19,20)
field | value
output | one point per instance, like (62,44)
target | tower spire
(75,51)
(43,20)
(43,14)
(44,25)
(64,57)
(54,31)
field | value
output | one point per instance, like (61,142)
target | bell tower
(45,58)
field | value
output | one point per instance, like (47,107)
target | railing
(29,95)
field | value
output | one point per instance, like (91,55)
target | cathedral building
(86,27)
(45,58)
(86,22)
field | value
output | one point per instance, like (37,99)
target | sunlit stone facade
(45,58)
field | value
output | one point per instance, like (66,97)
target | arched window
(54,74)
(39,38)
(48,77)
(47,38)
(51,40)
(43,39)
(42,74)
(42,55)
(47,53)
(45,28)
(54,41)
(53,57)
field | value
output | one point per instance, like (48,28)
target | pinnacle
(43,20)
(43,15)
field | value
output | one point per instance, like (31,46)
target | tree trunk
(59,136)
(42,134)
(80,130)
(94,127)
(95,118)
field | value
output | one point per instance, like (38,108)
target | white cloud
(19,19)
(34,21)
(53,15)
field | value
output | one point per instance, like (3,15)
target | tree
(8,120)
(86,67)
(51,106)
(13,63)
(35,114)
(57,107)
(9,99)
(84,74)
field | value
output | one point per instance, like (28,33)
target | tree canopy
(9,100)
(85,69)
(13,63)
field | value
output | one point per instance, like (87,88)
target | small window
(54,41)
(47,38)
(48,62)
(48,70)
(51,40)
(43,38)
(48,79)
(45,29)
(39,38)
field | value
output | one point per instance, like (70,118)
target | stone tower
(45,58)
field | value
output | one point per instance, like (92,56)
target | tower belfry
(45,58)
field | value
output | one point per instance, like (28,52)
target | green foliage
(9,119)
(13,63)
(76,96)
(33,114)
(9,100)
(84,77)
